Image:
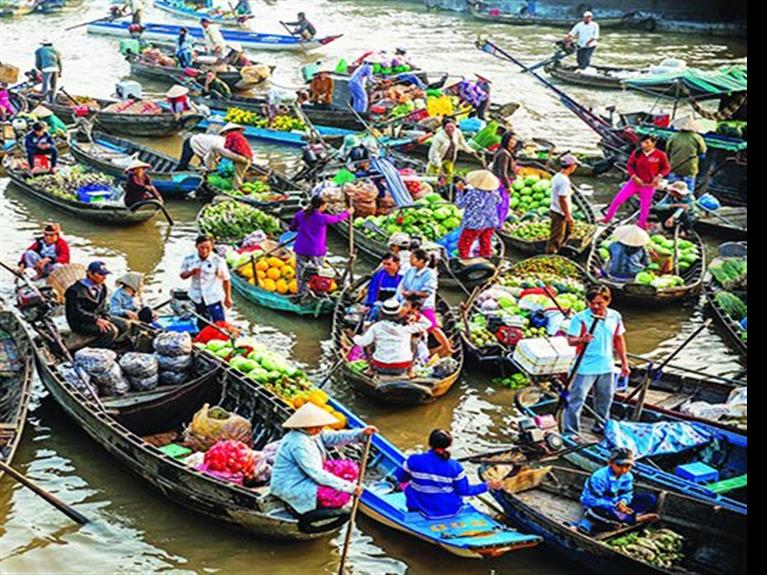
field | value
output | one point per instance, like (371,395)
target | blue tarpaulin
(394,182)
(648,439)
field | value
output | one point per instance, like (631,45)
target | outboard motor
(181,304)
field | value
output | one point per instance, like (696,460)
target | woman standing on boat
(437,484)
(298,470)
(504,167)
(184,48)
(480,204)
(311,225)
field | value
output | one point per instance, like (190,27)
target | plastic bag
(111,382)
(95,360)
(174,363)
(76,377)
(139,365)
(212,424)
(173,343)
(345,469)
(146,383)
(174,377)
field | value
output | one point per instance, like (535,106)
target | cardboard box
(544,355)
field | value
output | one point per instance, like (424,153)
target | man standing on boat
(444,149)
(48,61)
(685,149)
(585,34)
(214,40)
(561,209)
(211,289)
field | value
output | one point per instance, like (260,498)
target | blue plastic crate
(697,473)
(173,323)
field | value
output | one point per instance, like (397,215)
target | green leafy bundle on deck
(67,181)
(231,221)
(662,547)
(730,273)
(731,304)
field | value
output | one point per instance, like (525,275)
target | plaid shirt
(472,93)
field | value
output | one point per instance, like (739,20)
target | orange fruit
(273,273)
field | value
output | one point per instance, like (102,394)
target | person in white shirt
(214,40)
(444,149)
(585,33)
(561,209)
(399,245)
(393,353)
(211,289)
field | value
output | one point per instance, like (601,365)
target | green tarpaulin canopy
(693,83)
(712,140)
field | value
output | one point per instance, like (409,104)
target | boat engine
(538,439)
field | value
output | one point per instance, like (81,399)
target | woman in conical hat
(628,253)
(139,186)
(480,201)
(298,470)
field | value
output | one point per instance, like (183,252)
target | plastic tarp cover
(700,83)
(649,439)
(394,182)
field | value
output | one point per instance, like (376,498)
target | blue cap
(98,267)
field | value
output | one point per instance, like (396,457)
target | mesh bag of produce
(112,381)
(75,376)
(174,377)
(212,424)
(173,344)
(144,383)
(95,360)
(345,469)
(174,363)
(139,365)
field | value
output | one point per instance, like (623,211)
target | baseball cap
(98,267)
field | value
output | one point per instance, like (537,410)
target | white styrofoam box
(544,355)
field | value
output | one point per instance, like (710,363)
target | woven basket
(62,277)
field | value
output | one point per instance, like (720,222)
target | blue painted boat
(167,33)
(726,452)
(110,155)
(469,534)
(181,8)
(293,138)
(281,302)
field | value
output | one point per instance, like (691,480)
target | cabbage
(644,278)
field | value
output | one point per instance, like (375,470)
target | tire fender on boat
(322,520)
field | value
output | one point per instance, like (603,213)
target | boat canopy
(693,83)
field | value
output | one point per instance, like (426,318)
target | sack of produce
(346,469)
(174,362)
(212,424)
(95,360)
(173,344)
(231,456)
(75,376)
(174,377)
(111,382)
(144,383)
(138,365)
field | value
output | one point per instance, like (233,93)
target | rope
(724,114)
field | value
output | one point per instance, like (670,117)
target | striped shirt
(436,486)
(472,93)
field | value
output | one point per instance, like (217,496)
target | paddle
(656,373)
(562,52)
(160,206)
(735,382)
(355,505)
(352,254)
(301,41)
(42,493)
(676,250)
(109,18)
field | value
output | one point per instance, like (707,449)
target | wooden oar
(736,382)
(67,510)
(159,204)
(676,249)
(648,376)
(103,18)
(355,506)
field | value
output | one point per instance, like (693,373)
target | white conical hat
(231,126)
(177,91)
(632,235)
(309,415)
(686,123)
(136,163)
(483,180)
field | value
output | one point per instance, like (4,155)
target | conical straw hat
(136,163)
(483,180)
(632,235)
(686,123)
(309,415)
(177,91)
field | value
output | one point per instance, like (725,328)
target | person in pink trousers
(646,166)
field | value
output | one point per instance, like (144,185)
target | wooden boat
(603,77)
(97,212)
(155,125)
(111,155)
(401,390)
(64,107)
(725,452)
(280,302)
(730,222)
(670,390)
(167,33)
(732,327)
(187,10)
(251,509)
(715,539)
(495,357)
(16,370)
(645,294)
(565,21)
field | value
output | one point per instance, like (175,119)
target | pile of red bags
(232,457)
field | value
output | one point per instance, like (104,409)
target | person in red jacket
(646,166)
(240,153)
(46,253)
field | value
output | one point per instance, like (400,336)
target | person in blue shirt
(628,253)
(608,494)
(437,484)
(358,87)
(184,48)
(596,368)
(383,285)
(39,142)
(677,207)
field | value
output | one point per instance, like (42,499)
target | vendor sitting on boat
(437,484)
(184,48)
(628,253)
(383,285)
(392,340)
(677,207)
(126,300)
(321,89)
(139,187)
(87,313)
(215,87)
(298,471)
(40,146)
(178,100)
(608,496)
(46,253)
(236,56)
(214,40)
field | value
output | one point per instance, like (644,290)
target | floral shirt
(480,208)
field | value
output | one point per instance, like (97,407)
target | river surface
(136,530)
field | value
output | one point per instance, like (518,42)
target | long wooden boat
(16,370)
(732,327)
(155,125)
(251,509)
(111,155)
(280,302)
(168,33)
(97,212)
(185,10)
(171,74)
(528,20)
(603,77)
(63,107)
(645,294)
(725,452)
(715,538)
(670,390)
(495,357)
(401,390)
(727,222)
